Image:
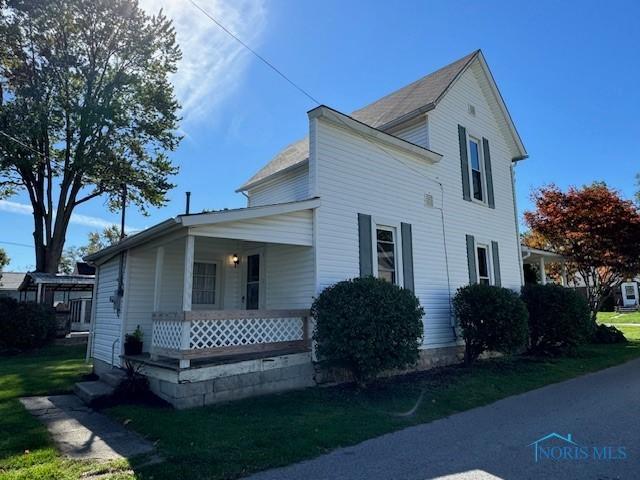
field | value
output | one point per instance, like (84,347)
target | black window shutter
(464,162)
(471,259)
(487,172)
(366,245)
(407,256)
(497,280)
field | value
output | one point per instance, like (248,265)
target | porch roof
(57,281)
(217,224)
(533,255)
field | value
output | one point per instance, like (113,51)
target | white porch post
(83,310)
(157,290)
(157,287)
(188,273)
(565,281)
(543,273)
(187,288)
(39,293)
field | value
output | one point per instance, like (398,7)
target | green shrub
(608,334)
(367,325)
(559,318)
(25,325)
(491,319)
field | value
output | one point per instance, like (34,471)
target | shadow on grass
(235,439)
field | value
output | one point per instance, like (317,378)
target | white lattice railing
(186,335)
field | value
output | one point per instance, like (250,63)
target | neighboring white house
(417,188)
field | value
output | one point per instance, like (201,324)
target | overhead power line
(264,60)
(349,127)
(22,144)
(16,244)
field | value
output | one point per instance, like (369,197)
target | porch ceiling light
(235,259)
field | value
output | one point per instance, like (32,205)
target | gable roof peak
(418,97)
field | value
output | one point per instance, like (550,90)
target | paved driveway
(598,410)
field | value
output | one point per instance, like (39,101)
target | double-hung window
(204,283)
(482,262)
(386,253)
(476,170)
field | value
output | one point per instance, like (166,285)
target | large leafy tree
(4,259)
(96,241)
(86,96)
(597,230)
(553,270)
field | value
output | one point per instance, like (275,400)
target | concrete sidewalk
(599,410)
(81,433)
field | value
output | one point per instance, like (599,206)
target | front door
(252,294)
(629,294)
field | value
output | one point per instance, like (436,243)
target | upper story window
(204,283)
(477,172)
(482,262)
(386,253)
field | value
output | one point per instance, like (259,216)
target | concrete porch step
(89,392)
(113,378)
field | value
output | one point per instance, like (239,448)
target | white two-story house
(416,188)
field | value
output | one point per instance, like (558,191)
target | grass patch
(614,317)
(228,441)
(26,449)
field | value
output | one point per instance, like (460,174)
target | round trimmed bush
(491,319)
(367,325)
(559,318)
(25,325)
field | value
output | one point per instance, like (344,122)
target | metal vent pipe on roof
(187,208)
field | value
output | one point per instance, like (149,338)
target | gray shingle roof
(421,94)
(11,280)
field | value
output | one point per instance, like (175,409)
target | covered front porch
(220,289)
(540,259)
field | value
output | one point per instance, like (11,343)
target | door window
(253,282)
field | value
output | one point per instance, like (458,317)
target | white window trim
(487,246)
(483,173)
(218,296)
(397,231)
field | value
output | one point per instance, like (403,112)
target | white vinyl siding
(287,228)
(289,186)
(416,132)
(290,281)
(142,263)
(354,176)
(107,325)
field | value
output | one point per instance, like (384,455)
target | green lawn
(613,317)
(227,441)
(26,450)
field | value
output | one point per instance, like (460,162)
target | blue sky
(569,74)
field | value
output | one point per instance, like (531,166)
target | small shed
(9,284)
(70,295)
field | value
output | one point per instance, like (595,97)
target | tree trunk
(48,250)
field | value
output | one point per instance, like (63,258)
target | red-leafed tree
(597,230)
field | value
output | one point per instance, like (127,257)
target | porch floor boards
(173,364)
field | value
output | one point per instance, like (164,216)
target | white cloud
(212,62)
(76,218)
